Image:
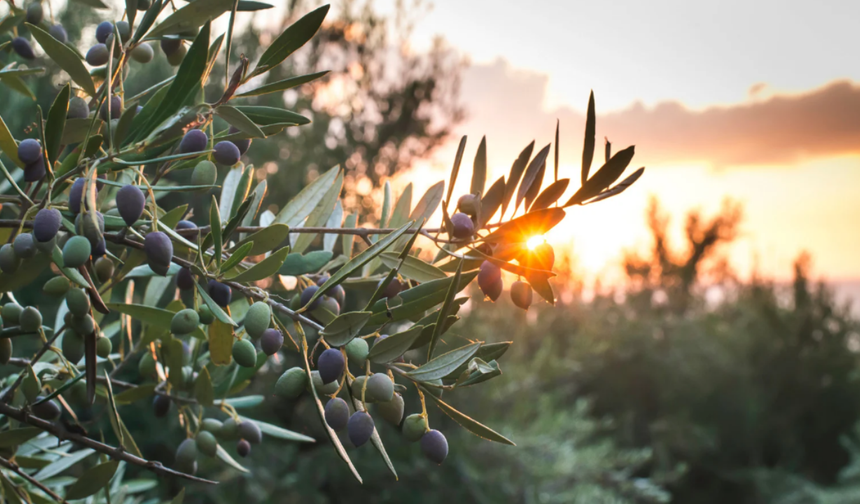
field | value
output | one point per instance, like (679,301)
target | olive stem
(33,481)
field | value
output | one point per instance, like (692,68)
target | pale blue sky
(700,53)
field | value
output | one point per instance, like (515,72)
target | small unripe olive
(358,386)
(56,286)
(24,246)
(5,350)
(103,347)
(292,383)
(147,366)
(330,365)
(206,443)
(463,225)
(322,388)
(356,351)
(30,320)
(205,173)
(434,446)
(469,204)
(336,414)
(73,346)
(414,427)
(392,411)
(360,427)
(186,453)
(184,322)
(76,251)
(249,431)
(244,353)
(78,302)
(104,269)
(229,429)
(142,53)
(211,425)
(206,315)
(380,388)
(9,261)
(78,108)
(257,319)
(11,314)
(83,325)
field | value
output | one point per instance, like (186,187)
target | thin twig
(115,453)
(11,390)
(33,481)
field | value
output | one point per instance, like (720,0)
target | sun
(534,241)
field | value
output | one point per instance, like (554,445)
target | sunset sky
(757,101)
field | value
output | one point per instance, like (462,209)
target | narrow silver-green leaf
(412,267)
(469,423)
(394,346)
(235,117)
(442,365)
(65,57)
(93,480)
(344,328)
(263,269)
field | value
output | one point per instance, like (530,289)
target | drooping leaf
(235,117)
(295,212)
(412,267)
(114,414)
(344,328)
(360,260)
(619,187)
(220,343)
(191,16)
(298,264)
(282,85)
(65,57)
(225,457)
(441,365)
(469,423)
(203,388)
(266,239)
(263,269)
(56,123)
(517,169)
(290,40)
(93,480)
(417,300)
(588,143)
(394,345)
(15,437)
(453,288)
(281,433)
(8,144)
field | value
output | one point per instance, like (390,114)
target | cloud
(772,130)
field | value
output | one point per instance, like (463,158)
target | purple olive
(130,202)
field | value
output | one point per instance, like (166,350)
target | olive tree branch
(115,453)
(33,481)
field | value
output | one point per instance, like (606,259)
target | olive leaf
(479,169)
(412,267)
(56,123)
(280,432)
(344,328)
(295,212)
(417,300)
(588,142)
(158,317)
(191,16)
(441,365)
(219,312)
(550,195)
(453,288)
(455,170)
(93,480)
(467,422)
(220,343)
(394,345)
(15,437)
(282,85)
(266,239)
(291,39)
(516,173)
(263,269)
(65,57)
(299,264)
